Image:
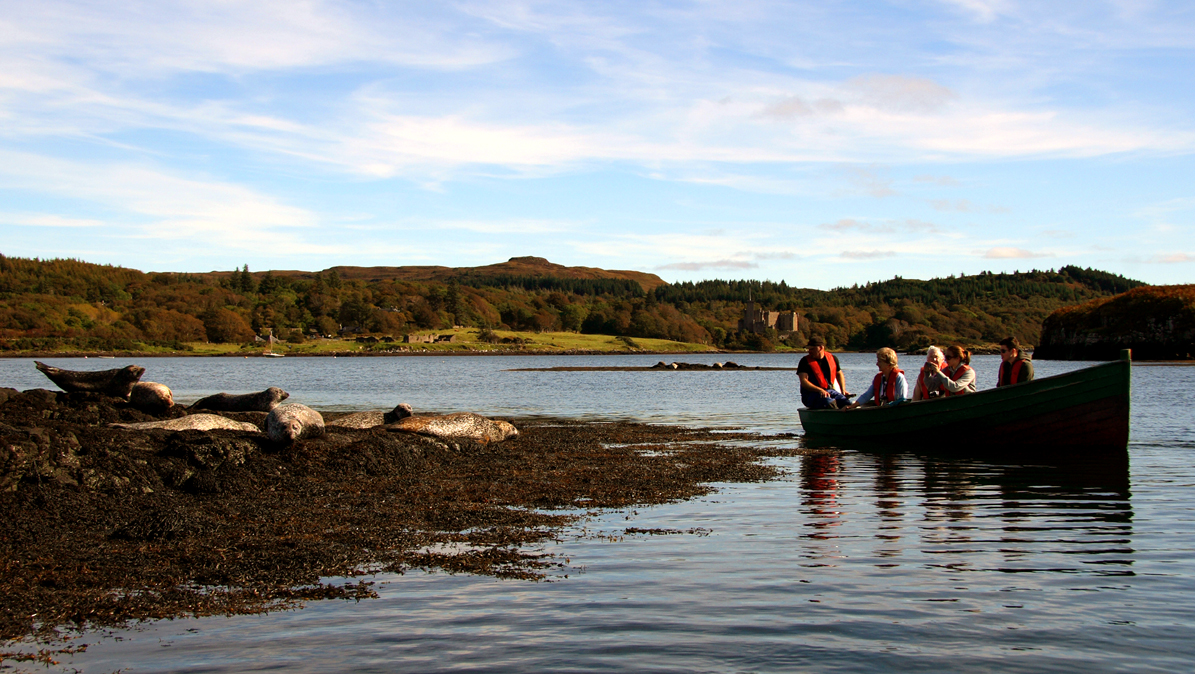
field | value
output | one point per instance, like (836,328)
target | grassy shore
(465,340)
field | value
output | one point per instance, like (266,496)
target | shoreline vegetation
(106,527)
(524,305)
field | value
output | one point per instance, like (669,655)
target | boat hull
(1084,410)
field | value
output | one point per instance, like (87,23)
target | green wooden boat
(1083,410)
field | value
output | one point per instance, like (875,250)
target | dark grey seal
(115,383)
(152,397)
(290,422)
(262,401)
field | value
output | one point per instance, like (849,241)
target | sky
(822,143)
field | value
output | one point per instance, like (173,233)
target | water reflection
(819,481)
(1069,516)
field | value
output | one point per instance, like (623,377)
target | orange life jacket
(1014,373)
(955,377)
(820,377)
(882,392)
(923,387)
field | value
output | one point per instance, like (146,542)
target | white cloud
(158,206)
(902,94)
(712,264)
(867,254)
(47,220)
(1173,258)
(1010,253)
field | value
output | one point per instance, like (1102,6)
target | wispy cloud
(47,220)
(1009,253)
(958,205)
(945,181)
(711,264)
(1173,258)
(867,254)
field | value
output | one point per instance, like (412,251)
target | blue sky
(822,143)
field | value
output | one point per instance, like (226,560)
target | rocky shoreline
(107,526)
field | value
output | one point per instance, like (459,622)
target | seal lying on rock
(371,419)
(289,422)
(193,422)
(262,401)
(116,383)
(152,397)
(461,426)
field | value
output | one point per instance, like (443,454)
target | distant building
(756,320)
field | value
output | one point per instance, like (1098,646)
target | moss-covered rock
(1156,322)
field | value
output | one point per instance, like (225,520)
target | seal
(151,397)
(262,401)
(116,383)
(290,422)
(460,426)
(361,420)
(192,422)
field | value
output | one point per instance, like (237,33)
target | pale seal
(152,397)
(460,426)
(193,422)
(290,422)
(262,401)
(362,420)
(116,383)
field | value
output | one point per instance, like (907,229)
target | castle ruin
(756,319)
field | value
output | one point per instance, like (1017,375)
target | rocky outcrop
(1156,322)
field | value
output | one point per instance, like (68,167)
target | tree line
(47,304)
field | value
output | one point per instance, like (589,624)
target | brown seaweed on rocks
(106,526)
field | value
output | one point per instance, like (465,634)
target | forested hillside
(1156,322)
(47,304)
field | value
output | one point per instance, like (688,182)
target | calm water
(854,562)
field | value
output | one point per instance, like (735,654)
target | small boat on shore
(271,354)
(1084,410)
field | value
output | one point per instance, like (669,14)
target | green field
(467,342)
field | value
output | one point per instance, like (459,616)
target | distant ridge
(527,266)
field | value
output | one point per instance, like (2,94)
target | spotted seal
(290,422)
(152,397)
(262,401)
(371,419)
(116,383)
(460,426)
(192,422)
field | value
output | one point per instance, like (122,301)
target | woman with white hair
(958,377)
(927,384)
(889,385)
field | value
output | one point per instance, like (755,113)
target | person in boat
(822,382)
(888,386)
(925,388)
(1016,367)
(958,377)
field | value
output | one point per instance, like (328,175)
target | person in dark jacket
(1016,368)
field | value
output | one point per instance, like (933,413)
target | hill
(74,305)
(1156,322)
(489,275)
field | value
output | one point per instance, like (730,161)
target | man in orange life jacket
(822,383)
(1016,368)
